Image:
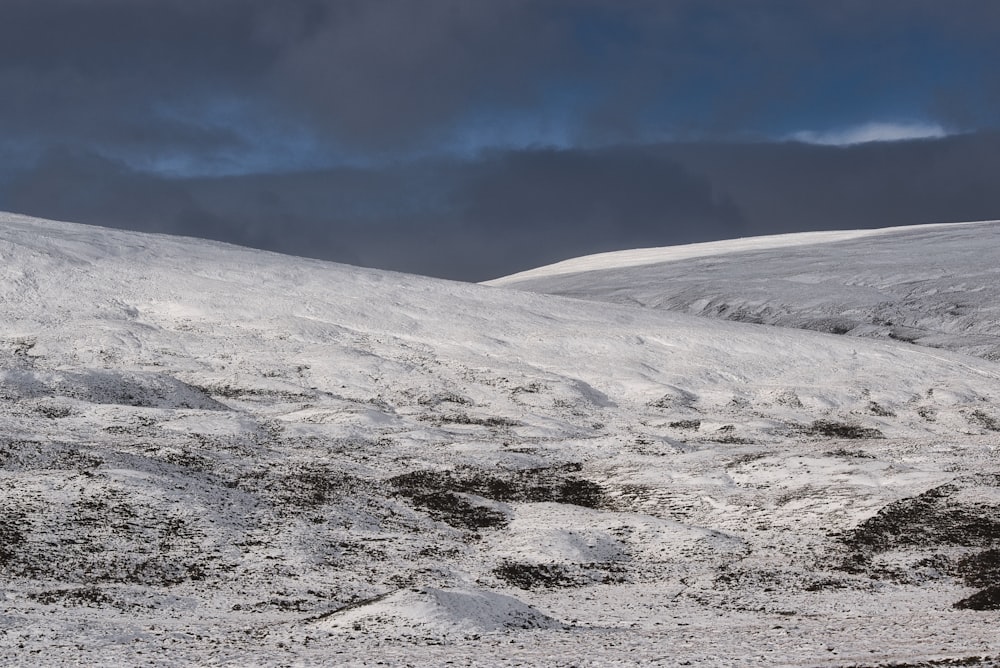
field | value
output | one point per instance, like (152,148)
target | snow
(934,285)
(210,454)
(436,612)
(644,256)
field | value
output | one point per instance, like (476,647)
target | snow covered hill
(934,285)
(215,455)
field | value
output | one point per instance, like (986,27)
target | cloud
(174,82)
(504,211)
(385,74)
(408,135)
(464,219)
(786,187)
(871,132)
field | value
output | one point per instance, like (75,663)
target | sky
(469,139)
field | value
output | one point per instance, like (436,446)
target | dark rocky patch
(443,397)
(725,434)
(675,399)
(987,599)
(276,603)
(685,424)
(790,399)
(188,460)
(438,491)
(927,413)
(462,418)
(831,429)
(22,348)
(35,455)
(300,487)
(459,511)
(980,418)
(850,454)
(876,408)
(747,459)
(10,451)
(932,519)
(105,537)
(772,579)
(555,575)
(53,412)
(531,576)
(91,597)
(139,425)
(11,536)
(252,393)
(827,584)
(552,484)
(980,569)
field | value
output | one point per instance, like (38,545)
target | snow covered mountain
(212,454)
(934,285)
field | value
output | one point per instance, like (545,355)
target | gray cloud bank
(125,113)
(148,77)
(478,218)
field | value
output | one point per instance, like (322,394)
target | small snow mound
(441,611)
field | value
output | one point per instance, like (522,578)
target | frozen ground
(211,455)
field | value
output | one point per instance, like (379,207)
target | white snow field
(216,456)
(933,285)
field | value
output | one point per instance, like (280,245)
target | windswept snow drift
(432,612)
(212,454)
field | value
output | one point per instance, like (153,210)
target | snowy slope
(212,454)
(934,285)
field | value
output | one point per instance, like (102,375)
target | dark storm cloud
(509,211)
(593,199)
(387,72)
(379,73)
(103,71)
(790,187)
(116,112)
(394,74)
(465,220)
